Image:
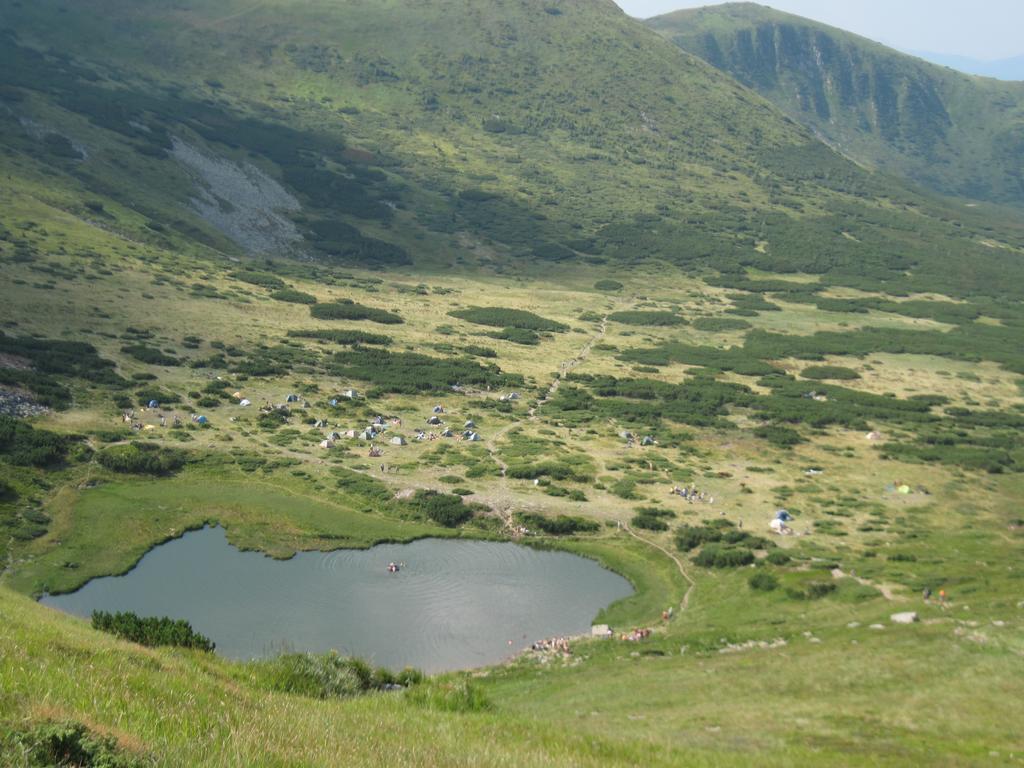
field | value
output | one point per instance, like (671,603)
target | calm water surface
(455,604)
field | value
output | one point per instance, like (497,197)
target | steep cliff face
(955,133)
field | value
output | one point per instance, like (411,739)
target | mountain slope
(948,131)
(444,133)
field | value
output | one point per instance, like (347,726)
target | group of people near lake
(636,635)
(691,494)
(553,645)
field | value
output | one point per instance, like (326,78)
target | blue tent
(293,398)
(783,515)
(154,404)
(202,420)
(334,403)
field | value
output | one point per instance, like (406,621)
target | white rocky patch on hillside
(241,201)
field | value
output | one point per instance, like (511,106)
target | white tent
(244,402)
(398,440)
(326,443)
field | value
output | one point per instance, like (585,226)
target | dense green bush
(141,459)
(445,509)
(649,522)
(502,317)
(346,309)
(146,354)
(784,437)
(562,525)
(837,372)
(778,557)
(556,470)
(150,630)
(690,537)
(344,337)
(411,372)
(26,446)
(258,278)
(292,296)
(608,285)
(762,581)
(478,351)
(720,324)
(647,317)
(69,745)
(522,336)
(719,556)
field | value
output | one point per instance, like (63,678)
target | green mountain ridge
(951,132)
(536,130)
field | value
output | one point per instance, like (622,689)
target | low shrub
(720,324)
(503,317)
(648,522)
(563,525)
(149,355)
(141,459)
(258,278)
(444,509)
(836,372)
(151,631)
(608,285)
(647,317)
(762,581)
(344,337)
(52,744)
(522,336)
(719,556)
(346,309)
(777,557)
(25,446)
(292,296)
(783,437)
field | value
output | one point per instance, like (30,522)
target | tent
(626,435)
(783,515)
(904,489)
(334,436)
(438,409)
(873,436)
(433,420)
(333,403)
(447,433)
(202,420)
(243,402)
(367,434)
(350,433)
(153,404)
(292,398)
(648,440)
(398,440)
(351,394)
(237,395)
(474,437)
(149,427)
(326,443)
(469,424)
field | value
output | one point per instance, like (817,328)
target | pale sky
(981,29)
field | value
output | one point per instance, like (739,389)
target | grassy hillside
(954,133)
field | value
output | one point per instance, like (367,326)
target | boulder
(907,617)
